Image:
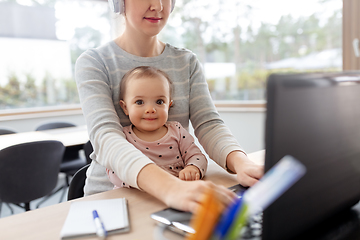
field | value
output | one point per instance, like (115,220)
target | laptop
(314,117)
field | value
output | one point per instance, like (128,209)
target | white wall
(248,127)
(30,124)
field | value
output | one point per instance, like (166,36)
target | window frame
(39,112)
(351,31)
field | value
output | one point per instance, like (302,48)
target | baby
(145,96)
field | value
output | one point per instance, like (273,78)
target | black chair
(4,131)
(54,125)
(29,171)
(76,188)
(88,149)
(71,161)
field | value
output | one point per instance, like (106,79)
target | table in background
(70,136)
(46,223)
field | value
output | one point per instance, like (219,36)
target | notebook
(316,119)
(80,223)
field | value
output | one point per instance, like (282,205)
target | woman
(98,74)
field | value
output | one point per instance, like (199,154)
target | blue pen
(227,219)
(100,229)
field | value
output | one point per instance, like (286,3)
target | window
(239,42)
(39,46)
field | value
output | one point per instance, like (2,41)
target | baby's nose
(150,109)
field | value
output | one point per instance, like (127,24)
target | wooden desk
(46,223)
(70,136)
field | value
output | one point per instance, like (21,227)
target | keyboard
(253,228)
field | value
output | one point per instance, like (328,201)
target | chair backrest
(76,188)
(4,131)
(88,149)
(29,171)
(54,125)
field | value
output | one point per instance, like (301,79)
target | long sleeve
(111,148)
(209,128)
(191,154)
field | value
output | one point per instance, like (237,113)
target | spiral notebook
(79,222)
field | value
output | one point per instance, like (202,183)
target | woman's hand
(178,194)
(248,172)
(188,196)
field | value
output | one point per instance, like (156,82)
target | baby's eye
(139,102)
(160,101)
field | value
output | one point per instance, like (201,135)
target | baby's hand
(190,173)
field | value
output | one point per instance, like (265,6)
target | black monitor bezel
(274,92)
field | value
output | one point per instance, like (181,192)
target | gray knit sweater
(98,73)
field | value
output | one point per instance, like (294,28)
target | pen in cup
(100,229)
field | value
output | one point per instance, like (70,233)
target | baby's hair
(143,71)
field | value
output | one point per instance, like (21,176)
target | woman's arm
(212,133)
(96,85)
(183,195)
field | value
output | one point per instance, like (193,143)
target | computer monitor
(315,117)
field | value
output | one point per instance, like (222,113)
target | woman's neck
(149,47)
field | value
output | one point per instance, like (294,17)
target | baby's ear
(124,108)
(171,103)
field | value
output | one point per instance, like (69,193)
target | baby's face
(147,102)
